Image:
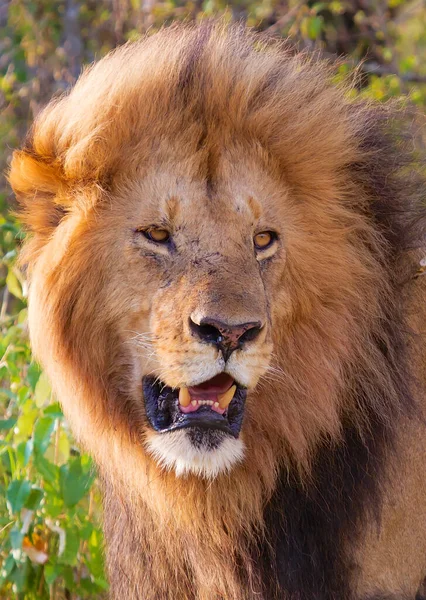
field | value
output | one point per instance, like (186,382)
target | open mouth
(214,404)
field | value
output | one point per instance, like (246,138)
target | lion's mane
(282,519)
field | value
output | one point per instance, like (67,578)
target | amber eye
(161,236)
(264,239)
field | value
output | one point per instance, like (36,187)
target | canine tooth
(194,402)
(225,399)
(216,404)
(184,397)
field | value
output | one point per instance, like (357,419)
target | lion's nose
(223,335)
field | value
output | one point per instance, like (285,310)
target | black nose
(226,337)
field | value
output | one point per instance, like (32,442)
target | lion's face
(201,272)
(203,266)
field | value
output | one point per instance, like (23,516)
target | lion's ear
(40,191)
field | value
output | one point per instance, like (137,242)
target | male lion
(223,290)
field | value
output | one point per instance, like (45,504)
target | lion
(223,257)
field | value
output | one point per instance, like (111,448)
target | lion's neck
(297,537)
(202,555)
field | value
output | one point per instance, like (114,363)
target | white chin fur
(174,451)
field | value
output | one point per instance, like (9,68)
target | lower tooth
(194,402)
(216,404)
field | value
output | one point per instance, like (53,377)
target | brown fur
(221,130)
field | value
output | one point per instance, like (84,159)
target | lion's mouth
(214,404)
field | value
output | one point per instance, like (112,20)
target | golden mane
(311,474)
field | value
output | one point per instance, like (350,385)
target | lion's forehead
(239,191)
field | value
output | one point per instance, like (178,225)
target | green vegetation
(50,538)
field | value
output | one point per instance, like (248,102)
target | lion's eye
(160,236)
(264,239)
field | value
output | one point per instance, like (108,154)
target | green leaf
(53,504)
(315,27)
(60,452)
(13,284)
(86,530)
(33,374)
(54,410)
(42,432)
(52,572)
(42,391)
(25,423)
(48,470)
(23,394)
(68,575)
(23,316)
(8,393)
(74,482)
(16,538)
(95,545)
(35,498)
(6,569)
(93,588)
(6,424)
(72,545)
(102,583)
(21,576)
(24,451)
(7,461)
(17,494)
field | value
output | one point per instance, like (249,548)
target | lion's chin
(181,451)
(198,427)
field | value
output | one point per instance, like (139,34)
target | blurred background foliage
(50,538)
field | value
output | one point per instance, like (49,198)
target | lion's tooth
(225,399)
(184,397)
(194,402)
